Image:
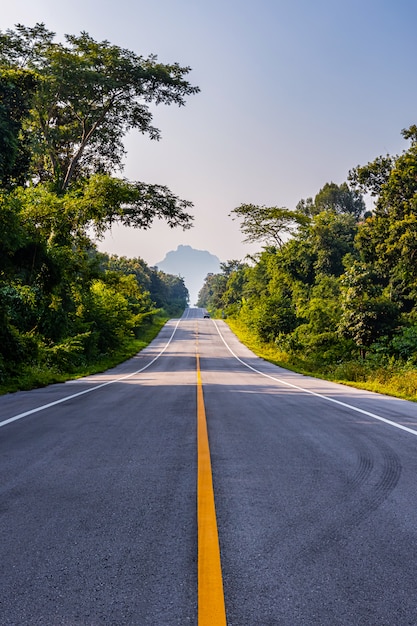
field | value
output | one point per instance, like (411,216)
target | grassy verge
(397,380)
(40,375)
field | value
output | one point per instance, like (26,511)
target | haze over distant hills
(193,265)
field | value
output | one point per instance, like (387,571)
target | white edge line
(81,393)
(313,393)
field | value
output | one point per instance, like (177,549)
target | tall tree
(340,199)
(90,95)
(97,203)
(336,199)
(389,238)
(16,93)
(367,313)
(331,236)
(269,225)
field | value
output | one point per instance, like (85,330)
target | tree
(16,93)
(274,316)
(321,310)
(235,272)
(211,294)
(332,236)
(336,199)
(90,94)
(340,199)
(267,224)
(97,203)
(367,313)
(137,266)
(389,238)
(372,177)
(169,292)
(223,291)
(64,110)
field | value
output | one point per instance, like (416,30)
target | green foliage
(337,296)
(64,110)
(65,361)
(339,199)
(68,355)
(80,321)
(267,224)
(12,232)
(271,318)
(373,177)
(332,236)
(90,94)
(96,204)
(321,308)
(211,294)
(404,344)
(17,88)
(389,237)
(166,291)
(169,293)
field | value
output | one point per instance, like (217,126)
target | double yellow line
(211,607)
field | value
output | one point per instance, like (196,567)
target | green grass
(39,375)
(395,380)
(401,384)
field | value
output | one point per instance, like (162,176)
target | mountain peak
(193,265)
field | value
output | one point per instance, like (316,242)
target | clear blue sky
(294,93)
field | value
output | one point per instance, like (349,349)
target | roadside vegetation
(66,309)
(43,372)
(333,291)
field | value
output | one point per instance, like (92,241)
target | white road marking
(81,393)
(314,393)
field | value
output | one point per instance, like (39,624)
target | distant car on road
(206,315)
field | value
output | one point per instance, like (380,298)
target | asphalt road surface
(315,488)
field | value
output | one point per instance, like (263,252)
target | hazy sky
(294,93)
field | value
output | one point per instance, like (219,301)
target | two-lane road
(314,484)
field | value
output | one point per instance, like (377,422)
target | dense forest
(64,110)
(333,291)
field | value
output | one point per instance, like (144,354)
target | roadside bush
(271,318)
(354,371)
(68,355)
(404,344)
(325,348)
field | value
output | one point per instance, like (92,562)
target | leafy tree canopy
(331,236)
(389,238)
(98,203)
(334,198)
(16,93)
(90,94)
(268,224)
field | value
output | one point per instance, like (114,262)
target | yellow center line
(211,607)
